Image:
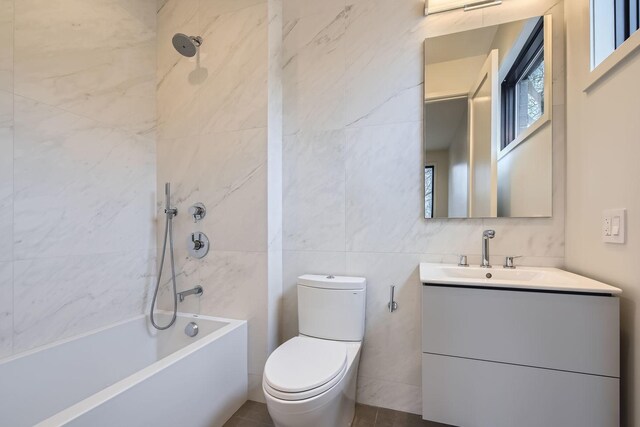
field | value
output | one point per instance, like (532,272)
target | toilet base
(333,408)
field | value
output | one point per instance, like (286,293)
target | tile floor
(254,414)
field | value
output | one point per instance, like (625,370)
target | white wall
(459,171)
(219,143)
(77,172)
(602,172)
(353,93)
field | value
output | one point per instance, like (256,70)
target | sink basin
(531,278)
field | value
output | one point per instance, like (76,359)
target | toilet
(310,380)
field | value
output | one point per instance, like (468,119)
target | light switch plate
(614,224)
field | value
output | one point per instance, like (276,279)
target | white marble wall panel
(95,59)
(6,309)
(6,47)
(314,191)
(274,174)
(6,176)
(62,296)
(384,66)
(225,171)
(314,68)
(385,234)
(80,187)
(383,186)
(235,57)
(77,170)
(215,147)
(176,101)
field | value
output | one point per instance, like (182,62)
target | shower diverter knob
(198,245)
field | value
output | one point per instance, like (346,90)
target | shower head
(186,45)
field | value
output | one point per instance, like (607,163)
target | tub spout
(195,291)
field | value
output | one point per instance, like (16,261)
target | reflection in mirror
(487,122)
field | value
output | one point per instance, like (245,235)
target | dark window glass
(627,18)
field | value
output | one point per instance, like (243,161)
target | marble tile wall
(77,166)
(219,143)
(352,86)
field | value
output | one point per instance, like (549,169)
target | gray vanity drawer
(474,393)
(578,333)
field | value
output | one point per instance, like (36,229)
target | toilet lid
(304,363)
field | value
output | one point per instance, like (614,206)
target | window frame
(433,191)
(533,48)
(611,40)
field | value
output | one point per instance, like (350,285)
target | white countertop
(534,278)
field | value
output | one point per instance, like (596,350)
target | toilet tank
(332,307)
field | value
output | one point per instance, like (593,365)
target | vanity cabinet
(498,357)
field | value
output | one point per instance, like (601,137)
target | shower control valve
(198,212)
(198,245)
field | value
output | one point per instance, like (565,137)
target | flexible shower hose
(168,231)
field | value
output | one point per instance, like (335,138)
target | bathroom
(294,136)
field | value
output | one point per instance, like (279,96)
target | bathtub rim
(83,406)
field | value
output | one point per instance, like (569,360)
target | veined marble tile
(255,388)
(314,70)
(302,8)
(235,286)
(6,47)
(175,16)
(228,173)
(160,4)
(451,22)
(6,309)
(234,61)
(314,191)
(60,297)
(211,9)
(384,67)
(438,236)
(541,237)
(295,264)
(6,176)
(389,394)
(95,59)
(383,186)
(388,333)
(80,187)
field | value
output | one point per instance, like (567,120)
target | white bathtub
(130,375)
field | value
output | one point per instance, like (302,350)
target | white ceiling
(459,45)
(443,119)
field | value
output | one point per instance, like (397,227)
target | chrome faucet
(486,235)
(195,291)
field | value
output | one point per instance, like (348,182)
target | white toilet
(310,380)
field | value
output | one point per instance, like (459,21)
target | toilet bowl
(310,380)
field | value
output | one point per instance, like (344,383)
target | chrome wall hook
(393,305)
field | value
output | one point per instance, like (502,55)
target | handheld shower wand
(168,233)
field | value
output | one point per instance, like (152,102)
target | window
(612,23)
(428,191)
(625,19)
(523,88)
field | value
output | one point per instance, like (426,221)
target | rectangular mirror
(487,122)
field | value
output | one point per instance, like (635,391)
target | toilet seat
(304,367)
